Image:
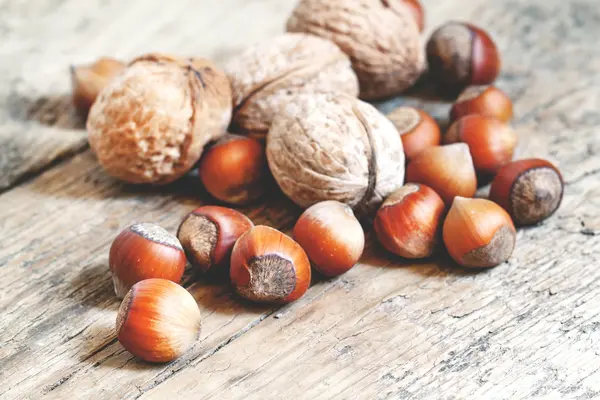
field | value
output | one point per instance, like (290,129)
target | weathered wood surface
(529,328)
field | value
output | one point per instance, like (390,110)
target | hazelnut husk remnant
(335,147)
(87,81)
(269,74)
(529,190)
(382,40)
(150,124)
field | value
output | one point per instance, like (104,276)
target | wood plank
(42,39)
(386,329)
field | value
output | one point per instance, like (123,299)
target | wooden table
(527,329)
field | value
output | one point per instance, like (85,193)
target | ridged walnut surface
(151,124)
(268,74)
(382,41)
(335,147)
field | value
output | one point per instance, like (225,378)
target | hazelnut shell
(478,233)
(332,237)
(158,321)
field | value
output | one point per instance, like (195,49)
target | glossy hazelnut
(409,222)
(158,320)
(478,233)
(417,129)
(208,234)
(448,170)
(461,55)
(87,81)
(268,266)
(144,251)
(332,237)
(234,169)
(529,190)
(491,142)
(484,100)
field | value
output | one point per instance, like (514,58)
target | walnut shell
(269,74)
(381,38)
(335,147)
(150,124)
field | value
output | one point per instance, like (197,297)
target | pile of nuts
(156,118)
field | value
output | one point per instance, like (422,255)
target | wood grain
(528,328)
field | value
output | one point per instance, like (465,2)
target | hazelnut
(88,81)
(234,169)
(529,190)
(409,221)
(460,55)
(478,233)
(335,147)
(487,100)
(268,266)
(417,129)
(332,237)
(150,124)
(144,251)
(208,234)
(382,40)
(269,74)
(448,170)
(491,142)
(158,321)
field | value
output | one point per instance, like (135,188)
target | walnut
(335,147)
(380,36)
(150,124)
(269,74)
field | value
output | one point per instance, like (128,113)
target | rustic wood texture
(387,329)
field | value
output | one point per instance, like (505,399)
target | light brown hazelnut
(335,147)
(150,124)
(418,130)
(88,81)
(270,73)
(382,39)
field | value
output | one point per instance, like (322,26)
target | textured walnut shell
(335,147)
(380,37)
(269,74)
(150,124)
